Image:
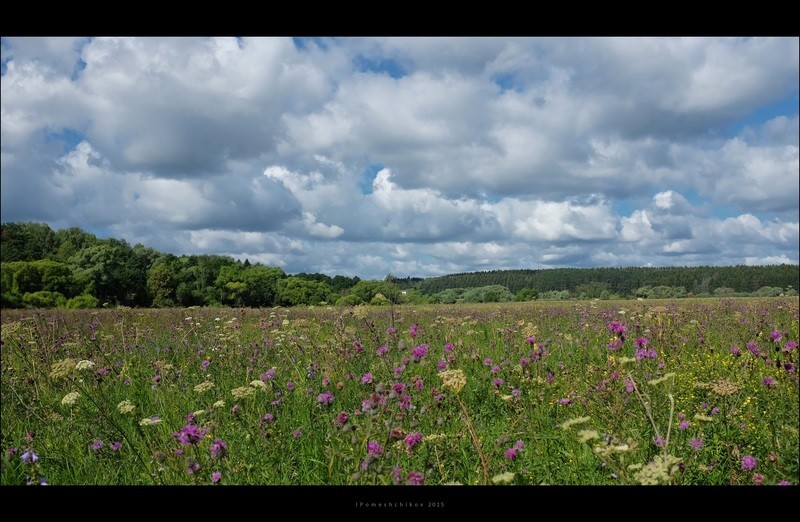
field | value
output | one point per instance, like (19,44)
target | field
(690,392)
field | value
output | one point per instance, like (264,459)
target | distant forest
(71,268)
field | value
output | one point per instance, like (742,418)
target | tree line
(72,268)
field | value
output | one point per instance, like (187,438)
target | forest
(72,268)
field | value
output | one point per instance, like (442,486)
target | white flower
(125,407)
(70,398)
(84,365)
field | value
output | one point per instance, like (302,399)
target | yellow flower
(454,379)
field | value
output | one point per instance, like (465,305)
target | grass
(259,382)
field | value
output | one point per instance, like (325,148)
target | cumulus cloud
(416,156)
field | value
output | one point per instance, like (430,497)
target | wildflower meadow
(695,392)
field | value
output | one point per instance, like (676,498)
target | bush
(83,301)
(43,299)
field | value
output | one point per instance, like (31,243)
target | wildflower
(205,364)
(784,483)
(189,435)
(366,378)
(125,407)
(290,386)
(753,348)
(297,433)
(115,446)
(84,365)
(218,404)
(156,379)
(419,352)
(495,369)
(684,425)
(399,387)
(714,410)
(390,331)
(412,330)
(511,453)
(769,382)
(454,379)
(758,478)
(269,374)
(150,421)
(615,345)
(373,448)
(696,443)
(29,456)
(448,348)
(397,475)
(102,372)
(326,381)
(70,398)
(531,339)
(97,444)
(617,328)
(524,361)
(629,387)
(382,350)
(341,418)
(659,441)
(735,351)
(62,369)
(412,440)
(203,387)
(515,392)
(243,391)
(415,478)
(788,347)
(441,365)
(405,402)
(749,463)
(216,477)
(325,398)
(776,336)
(218,449)
(235,409)
(641,342)
(192,466)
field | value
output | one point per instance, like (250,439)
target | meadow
(689,392)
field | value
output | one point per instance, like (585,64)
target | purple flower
(617,328)
(290,386)
(524,361)
(789,367)
(448,348)
(415,478)
(412,440)
(405,402)
(515,392)
(326,381)
(749,463)
(519,445)
(696,443)
(268,417)
(399,387)
(269,374)
(156,379)
(753,348)
(651,354)
(659,441)
(192,467)
(629,386)
(216,477)
(497,383)
(419,352)
(641,342)
(776,335)
(373,448)
(103,371)
(10,452)
(205,364)
(714,410)
(758,478)
(784,483)
(189,435)
(397,475)
(382,350)
(235,409)
(788,347)
(769,382)
(366,378)
(640,354)
(218,449)
(97,444)
(342,418)
(29,456)
(441,365)
(115,446)
(511,453)
(495,369)
(487,361)
(398,371)
(684,425)
(531,339)
(412,330)
(390,331)
(615,345)
(325,398)
(735,351)
(297,433)
(565,401)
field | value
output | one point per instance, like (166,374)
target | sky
(410,156)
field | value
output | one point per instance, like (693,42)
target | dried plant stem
(475,440)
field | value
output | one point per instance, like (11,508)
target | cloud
(416,156)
